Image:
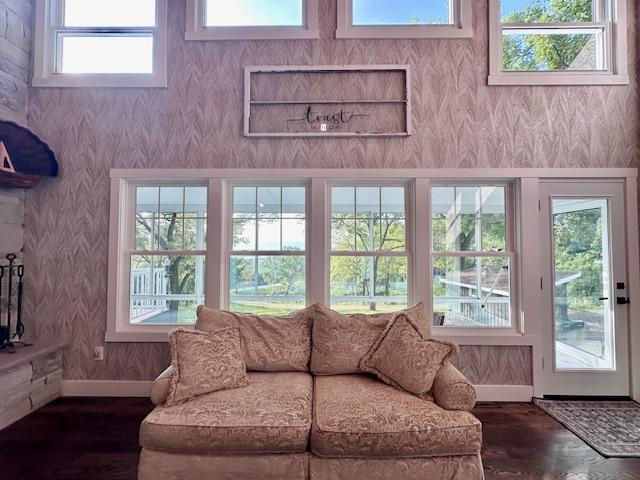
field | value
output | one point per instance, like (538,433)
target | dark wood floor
(97,439)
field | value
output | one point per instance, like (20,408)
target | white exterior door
(584,286)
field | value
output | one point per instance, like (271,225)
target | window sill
(143,334)
(558,79)
(100,81)
(499,337)
(252,33)
(406,32)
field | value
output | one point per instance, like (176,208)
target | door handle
(603,298)
(623,300)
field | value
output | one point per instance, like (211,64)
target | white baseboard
(504,393)
(105,388)
(115,388)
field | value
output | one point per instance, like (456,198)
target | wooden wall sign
(24,158)
(327,101)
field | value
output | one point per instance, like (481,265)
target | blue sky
(365,12)
(253,12)
(387,12)
(269,12)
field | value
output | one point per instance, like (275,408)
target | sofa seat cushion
(359,416)
(271,415)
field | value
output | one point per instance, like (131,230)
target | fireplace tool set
(11,286)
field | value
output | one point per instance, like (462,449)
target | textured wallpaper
(197,123)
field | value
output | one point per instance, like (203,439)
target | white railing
(149,295)
(143,282)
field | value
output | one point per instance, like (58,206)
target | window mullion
(319,246)
(420,219)
(217,261)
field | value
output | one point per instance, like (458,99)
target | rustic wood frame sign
(327,101)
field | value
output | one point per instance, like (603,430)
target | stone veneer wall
(15,57)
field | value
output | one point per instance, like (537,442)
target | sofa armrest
(452,390)
(160,387)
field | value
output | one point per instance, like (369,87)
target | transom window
(369,255)
(404,19)
(571,41)
(254,13)
(472,256)
(267,260)
(252,19)
(96,43)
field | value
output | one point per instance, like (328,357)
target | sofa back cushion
(269,343)
(340,341)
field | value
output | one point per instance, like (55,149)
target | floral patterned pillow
(203,363)
(405,358)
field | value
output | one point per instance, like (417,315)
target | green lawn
(285,308)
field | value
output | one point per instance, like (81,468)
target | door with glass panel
(584,287)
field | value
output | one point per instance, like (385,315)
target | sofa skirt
(462,467)
(155,465)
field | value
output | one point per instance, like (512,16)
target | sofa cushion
(340,341)
(204,363)
(359,416)
(271,415)
(269,343)
(403,358)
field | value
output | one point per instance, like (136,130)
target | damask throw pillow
(204,363)
(406,358)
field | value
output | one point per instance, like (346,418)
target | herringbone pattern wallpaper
(197,122)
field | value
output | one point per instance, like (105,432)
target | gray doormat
(610,428)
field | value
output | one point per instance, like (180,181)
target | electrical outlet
(98,354)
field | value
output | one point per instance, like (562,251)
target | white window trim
(48,21)
(461,28)
(616,61)
(123,194)
(319,180)
(196,29)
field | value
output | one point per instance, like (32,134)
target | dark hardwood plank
(75,439)
(97,439)
(523,442)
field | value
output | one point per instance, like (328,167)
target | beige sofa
(297,425)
